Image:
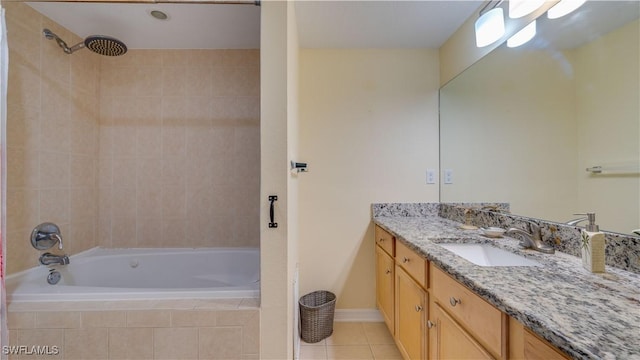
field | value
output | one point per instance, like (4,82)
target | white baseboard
(357,315)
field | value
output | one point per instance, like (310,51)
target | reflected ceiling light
(523,36)
(563,8)
(520,8)
(489,27)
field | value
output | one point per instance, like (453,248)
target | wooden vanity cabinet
(523,344)
(431,315)
(485,324)
(385,287)
(401,295)
(449,340)
(411,316)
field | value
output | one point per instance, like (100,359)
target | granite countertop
(586,315)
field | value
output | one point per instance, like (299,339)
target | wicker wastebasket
(316,315)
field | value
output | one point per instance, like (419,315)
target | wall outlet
(448,176)
(431,176)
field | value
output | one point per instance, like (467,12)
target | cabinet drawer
(385,240)
(477,316)
(412,263)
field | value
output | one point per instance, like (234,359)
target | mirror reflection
(524,124)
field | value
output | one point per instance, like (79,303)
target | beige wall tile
(91,319)
(124,202)
(123,232)
(82,236)
(82,344)
(150,318)
(131,343)
(193,318)
(21,320)
(175,343)
(23,123)
(54,206)
(148,234)
(53,338)
(220,343)
(24,206)
(58,319)
(20,254)
(83,170)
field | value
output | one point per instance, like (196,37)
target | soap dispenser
(592,245)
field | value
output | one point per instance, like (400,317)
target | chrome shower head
(100,44)
(105,45)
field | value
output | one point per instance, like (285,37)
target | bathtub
(132,274)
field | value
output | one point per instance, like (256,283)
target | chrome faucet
(52,259)
(532,240)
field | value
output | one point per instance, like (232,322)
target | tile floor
(353,340)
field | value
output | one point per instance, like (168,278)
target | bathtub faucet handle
(45,236)
(58,239)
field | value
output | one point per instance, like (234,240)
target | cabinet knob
(430,324)
(388,272)
(381,240)
(418,308)
(405,260)
(453,301)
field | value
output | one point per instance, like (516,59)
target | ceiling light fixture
(523,36)
(159,15)
(520,8)
(563,8)
(489,27)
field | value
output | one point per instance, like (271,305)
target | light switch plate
(431,176)
(448,176)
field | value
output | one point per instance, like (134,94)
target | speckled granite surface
(622,251)
(588,316)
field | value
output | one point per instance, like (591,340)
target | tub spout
(51,259)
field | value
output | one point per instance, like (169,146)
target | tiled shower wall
(52,135)
(179,148)
(150,149)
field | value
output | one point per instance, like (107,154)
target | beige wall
(180,148)
(607,109)
(278,112)
(52,133)
(369,131)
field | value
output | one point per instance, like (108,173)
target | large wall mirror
(522,125)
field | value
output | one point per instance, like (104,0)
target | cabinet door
(448,340)
(385,275)
(411,316)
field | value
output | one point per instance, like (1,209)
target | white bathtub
(130,274)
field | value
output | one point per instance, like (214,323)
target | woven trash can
(316,315)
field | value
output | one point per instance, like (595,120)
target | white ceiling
(380,24)
(190,26)
(326,23)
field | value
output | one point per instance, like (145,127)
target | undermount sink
(487,255)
